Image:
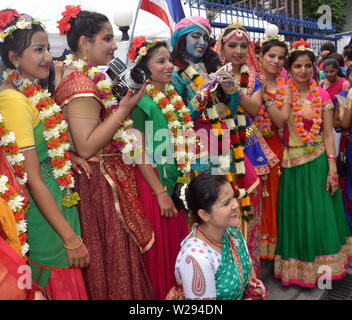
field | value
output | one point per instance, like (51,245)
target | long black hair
(210,58)
(19,40)
(87,24)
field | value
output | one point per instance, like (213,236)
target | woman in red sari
(112,220)
(272,57)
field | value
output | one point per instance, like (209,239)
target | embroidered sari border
(288,163)
(119,213)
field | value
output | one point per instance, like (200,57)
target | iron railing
(222,12)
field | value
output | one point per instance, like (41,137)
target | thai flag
(170,11)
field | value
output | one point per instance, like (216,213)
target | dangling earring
(17,80)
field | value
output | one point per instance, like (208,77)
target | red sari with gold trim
(112,220)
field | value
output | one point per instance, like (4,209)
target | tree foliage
(338,9)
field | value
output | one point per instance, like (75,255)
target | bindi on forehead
(225,195)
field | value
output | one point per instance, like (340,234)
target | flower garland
(139,48)
(307,137)
(183,142)
(263,120)
(241,114)
(300,45)
(55,134)
(125,140)
(17,203)
(6,17)
(236,143)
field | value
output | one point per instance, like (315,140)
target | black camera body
(126,77)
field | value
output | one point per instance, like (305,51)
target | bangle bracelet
(157,193)
(120,123)
(72,248)
(332,157)
(333,175)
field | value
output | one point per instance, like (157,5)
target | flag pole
(133,27)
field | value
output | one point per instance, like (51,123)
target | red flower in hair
(63,24)
(6,17)
(301,43)
(136,44)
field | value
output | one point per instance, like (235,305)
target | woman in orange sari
(272,57)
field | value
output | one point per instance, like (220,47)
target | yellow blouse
(20,116)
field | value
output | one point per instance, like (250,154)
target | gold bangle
(157,193)
(120,123)
(73,248)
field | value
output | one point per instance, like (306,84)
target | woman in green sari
(213,262)
(56,250)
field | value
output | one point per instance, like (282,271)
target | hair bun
(179,196)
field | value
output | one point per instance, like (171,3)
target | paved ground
(276,291)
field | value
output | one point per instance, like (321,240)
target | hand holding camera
(130,100)
(126,78)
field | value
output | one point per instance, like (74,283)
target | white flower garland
(14,200)
(183,152)
(124,135)
(55,133)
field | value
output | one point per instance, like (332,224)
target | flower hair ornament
(239,32)
(271,33)
(71,12)
(139,48)
(7,17)
(300,45)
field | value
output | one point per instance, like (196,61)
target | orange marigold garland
(236,142)
(55,134)
(263,120)
(18,203)
(307,137)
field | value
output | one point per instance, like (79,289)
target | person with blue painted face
(213,105)
(196,44)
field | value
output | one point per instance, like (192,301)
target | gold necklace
(214,242)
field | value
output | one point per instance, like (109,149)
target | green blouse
(148,118)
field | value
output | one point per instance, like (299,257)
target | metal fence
(222,12)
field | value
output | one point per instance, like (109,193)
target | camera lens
(138,75)
(120,89)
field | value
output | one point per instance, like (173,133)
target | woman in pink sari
(335,81)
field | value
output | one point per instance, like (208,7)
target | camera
(126,77)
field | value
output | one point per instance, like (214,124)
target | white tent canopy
(49,12)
